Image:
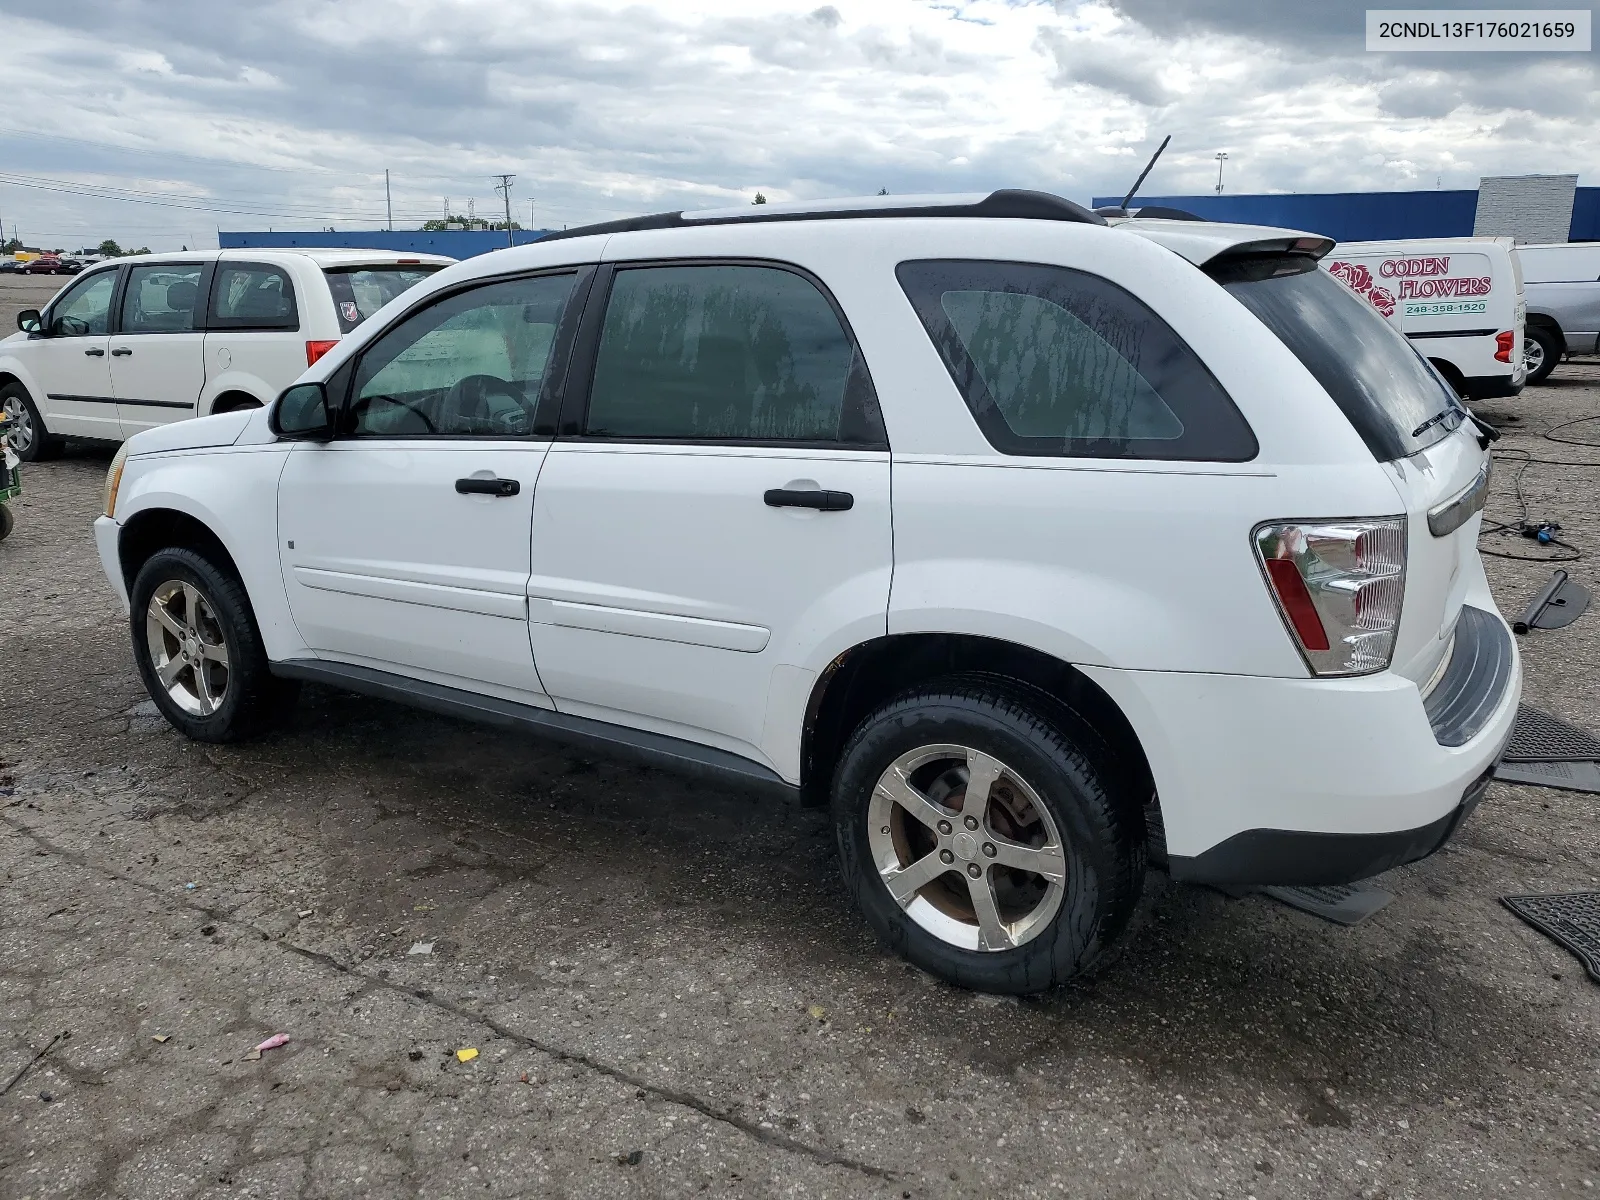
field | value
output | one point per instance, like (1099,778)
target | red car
(50,264)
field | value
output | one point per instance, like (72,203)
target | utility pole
(530,214)
(1222,157)
(388,204)
(504,188)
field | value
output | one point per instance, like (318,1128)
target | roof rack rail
(1007,202)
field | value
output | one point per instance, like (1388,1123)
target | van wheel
(199,651)
(1541,351)
(981,841)
(29,438)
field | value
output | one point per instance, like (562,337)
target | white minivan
(1459,301)
(139,342)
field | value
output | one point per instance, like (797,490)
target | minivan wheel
(29,438)
(198,649)
(1541,351)
(980,839)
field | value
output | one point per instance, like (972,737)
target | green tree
(110,248)
(760,199)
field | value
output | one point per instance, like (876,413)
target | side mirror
(28,321)
(301,414)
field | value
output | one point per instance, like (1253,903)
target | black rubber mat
(1539,737)
(1571,918)
(1344,904)
(1568,776)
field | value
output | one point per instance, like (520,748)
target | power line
(245,208)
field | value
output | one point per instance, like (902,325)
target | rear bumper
(1491,387)
(1318,781)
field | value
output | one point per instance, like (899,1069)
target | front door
(70,363)
(158,354)
(405,540)
(722,516)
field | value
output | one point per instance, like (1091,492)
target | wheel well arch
(235,399)
(869,674)
(1549,324)
(154,529)
(1451,373)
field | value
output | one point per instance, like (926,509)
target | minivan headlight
(114,479)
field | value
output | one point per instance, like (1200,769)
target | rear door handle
(120,351)
(815,498)
(488,487)
(95,352)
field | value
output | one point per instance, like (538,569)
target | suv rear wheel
(198,649)
(980,839)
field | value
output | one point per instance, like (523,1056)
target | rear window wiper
(1443,414)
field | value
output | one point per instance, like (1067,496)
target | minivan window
(86,308)
(728,353)
(1389,392)
(161,299)
(252,296)
(1058,362)
(358,292)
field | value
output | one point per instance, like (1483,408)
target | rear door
(716,508)
(253,326)
(158,354)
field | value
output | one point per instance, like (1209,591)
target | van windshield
(1392,395)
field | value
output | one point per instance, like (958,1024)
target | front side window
(471,365)
(161,299)
(253,296)
(727,353)
(86,308)
(1058,362)
(358,292)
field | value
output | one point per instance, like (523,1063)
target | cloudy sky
(158,121)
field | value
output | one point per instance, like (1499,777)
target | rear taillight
(315,350)
(1339,586)
(1503,341)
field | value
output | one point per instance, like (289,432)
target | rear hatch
(1409,418)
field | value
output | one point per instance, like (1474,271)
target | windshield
(358,292)
(1392,395)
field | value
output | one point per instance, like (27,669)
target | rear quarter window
(358,292)
(252,296)
(1057,362)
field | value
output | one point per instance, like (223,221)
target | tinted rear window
(1388,391)
(361,291)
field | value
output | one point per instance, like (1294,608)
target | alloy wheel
(187,647)
(966,847)
(1532,354)
(21,425)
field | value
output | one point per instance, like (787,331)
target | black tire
(7,522)
(43,444)
(1099,819)
(254,699)
(1551,343)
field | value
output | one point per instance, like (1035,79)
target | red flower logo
(1382,300)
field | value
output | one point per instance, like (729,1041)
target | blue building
(1364,216)
(457,243)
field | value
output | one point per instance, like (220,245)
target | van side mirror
(301,414)
(28,320)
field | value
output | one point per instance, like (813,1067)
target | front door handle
(121,352)
(95,352)
(815,498)
(488,487)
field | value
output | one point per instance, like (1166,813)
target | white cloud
(292,109)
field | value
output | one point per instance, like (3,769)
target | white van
(1459,300)
(1563,293)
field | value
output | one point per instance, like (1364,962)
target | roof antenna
(1147,168)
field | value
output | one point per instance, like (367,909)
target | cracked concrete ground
(667,989)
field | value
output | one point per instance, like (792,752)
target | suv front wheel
(981,840)
(198,649)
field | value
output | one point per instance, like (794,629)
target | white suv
(134,343)
(1035,547)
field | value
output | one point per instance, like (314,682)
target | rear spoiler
(1272,256)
